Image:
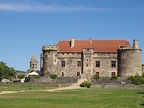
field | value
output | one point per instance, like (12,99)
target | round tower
(33,63)
(49,57)
(129,60)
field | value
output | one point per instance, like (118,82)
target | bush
(21,76)
(137,80)
(85,84)
(96,76)
(114,78)
(53,76)
(37,76)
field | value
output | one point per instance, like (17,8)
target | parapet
(135,46)
(50,47)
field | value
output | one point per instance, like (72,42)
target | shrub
(96,76)
(137,80)
(53,76)
(21,76)
(85,84)
(37,76)
(114,77)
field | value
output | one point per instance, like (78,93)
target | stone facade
(123,62)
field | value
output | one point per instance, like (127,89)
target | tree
(5,71)
(21,76)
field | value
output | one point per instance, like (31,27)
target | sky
(27,25)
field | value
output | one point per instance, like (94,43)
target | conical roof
(33,59)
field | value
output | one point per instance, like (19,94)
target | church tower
(33,63)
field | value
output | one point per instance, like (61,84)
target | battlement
(50,47)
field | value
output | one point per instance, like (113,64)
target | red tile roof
(97,45)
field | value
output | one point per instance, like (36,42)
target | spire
(33,63)
(33,59)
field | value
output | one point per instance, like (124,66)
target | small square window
(62,63)
(113,74)
(79,63)
(97,73)
(97,63)
(113,63)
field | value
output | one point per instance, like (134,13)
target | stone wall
(107,80)
(130,87)
(58,80)
(129,62)
(105,68)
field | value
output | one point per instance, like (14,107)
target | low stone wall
(130,87)
(59,79)
(108,80)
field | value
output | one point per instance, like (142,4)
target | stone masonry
(67,61)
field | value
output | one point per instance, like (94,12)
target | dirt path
(73,86)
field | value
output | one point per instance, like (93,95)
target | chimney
(90,39)
(135,44)
(72,42)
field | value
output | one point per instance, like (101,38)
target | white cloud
(54,8)
(45,8)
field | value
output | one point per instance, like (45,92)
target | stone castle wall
(129,62)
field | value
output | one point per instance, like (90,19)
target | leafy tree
(5,71)
(21,76)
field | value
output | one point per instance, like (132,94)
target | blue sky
(27,25)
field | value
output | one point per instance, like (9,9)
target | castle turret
(129,60)
(33,63)
(49,58)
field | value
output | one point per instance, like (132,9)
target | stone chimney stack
(72,42)
(90,39)
(135,44)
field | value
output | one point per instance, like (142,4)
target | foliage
(21,76)
(37,76)
(96,77)
(85,84)
(53,76)
(6,72)
(31,71)
(137,80)
(114,78)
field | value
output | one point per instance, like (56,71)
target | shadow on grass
(143,97)
(140,92)
(142,104)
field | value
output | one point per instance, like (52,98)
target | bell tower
(33,63)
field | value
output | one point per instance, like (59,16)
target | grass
(80,98)
(26,86)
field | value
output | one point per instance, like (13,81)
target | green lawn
(80,98)
(26,86)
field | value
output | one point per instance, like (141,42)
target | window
(97,63)
(113,63)
(97,73)
(87,65)
(62,63)
(62,73)
(78,73)
(113,74)
(79,63)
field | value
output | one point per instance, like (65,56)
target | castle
(85,58)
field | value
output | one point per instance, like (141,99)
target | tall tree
(6,72)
